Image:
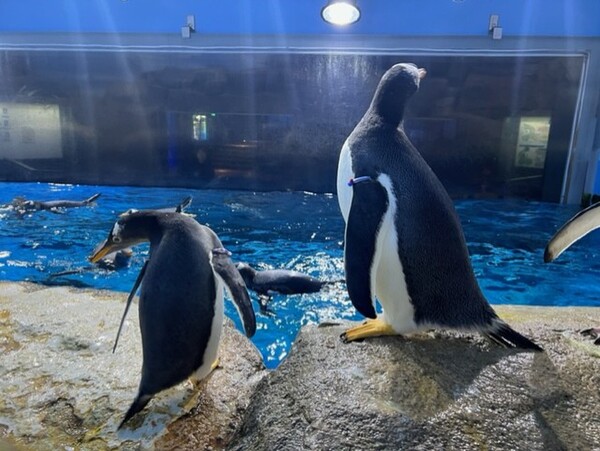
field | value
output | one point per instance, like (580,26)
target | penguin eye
(116,239)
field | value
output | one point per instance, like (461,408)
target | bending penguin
(577,227)
(404,244)
(181,300)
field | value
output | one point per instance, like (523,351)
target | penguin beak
(422,73)
(102,250)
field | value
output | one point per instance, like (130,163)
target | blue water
(299,231)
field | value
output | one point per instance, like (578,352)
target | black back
(177,302)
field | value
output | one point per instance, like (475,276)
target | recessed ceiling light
(340,12)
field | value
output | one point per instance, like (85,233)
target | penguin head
(132,227)
(396,86)
(21,202)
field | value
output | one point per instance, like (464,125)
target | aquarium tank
(108,107)
(213,97)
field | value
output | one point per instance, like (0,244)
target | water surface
(299,231)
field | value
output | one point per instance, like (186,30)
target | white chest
(387,273)
(387,276)
(212,347)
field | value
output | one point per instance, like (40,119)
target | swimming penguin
(110,262)
(22,206)
(404,243)
(574,229)
(181,300)
(270,281)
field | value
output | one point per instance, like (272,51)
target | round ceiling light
(340,12)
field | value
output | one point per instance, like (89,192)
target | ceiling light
(340,12)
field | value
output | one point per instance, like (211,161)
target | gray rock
(63,388)
(433,391)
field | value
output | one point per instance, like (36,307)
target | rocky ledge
(64,389)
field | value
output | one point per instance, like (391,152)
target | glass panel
(488,125)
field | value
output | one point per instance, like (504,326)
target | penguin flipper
(506,336)
(575,228)
(369,204)
(128,304)
(232,278)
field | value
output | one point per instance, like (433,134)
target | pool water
(293,230)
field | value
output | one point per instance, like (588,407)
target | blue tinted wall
(576,18)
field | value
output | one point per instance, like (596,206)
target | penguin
(584,222)
(404,244)
(22,206)
(181,297)
(267,282)
(574,229)
(114,261)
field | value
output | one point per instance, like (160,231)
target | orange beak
(103,249)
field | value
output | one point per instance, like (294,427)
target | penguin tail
(138,404)
(92,199)
(506,336)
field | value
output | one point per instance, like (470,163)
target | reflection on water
(298,231)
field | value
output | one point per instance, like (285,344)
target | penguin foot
(370,328)
(214,365)
(592,332)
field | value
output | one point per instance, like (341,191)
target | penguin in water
(114,261)
(283,281)
(22,206)
(181,300)
(577,227)
(404,244)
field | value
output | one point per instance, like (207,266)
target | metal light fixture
(340,12)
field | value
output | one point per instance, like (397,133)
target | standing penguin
(404,243)
(181,300)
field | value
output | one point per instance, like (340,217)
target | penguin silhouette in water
(404,244)
(181,300)
(577,227)
(268,282)
(22,206)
